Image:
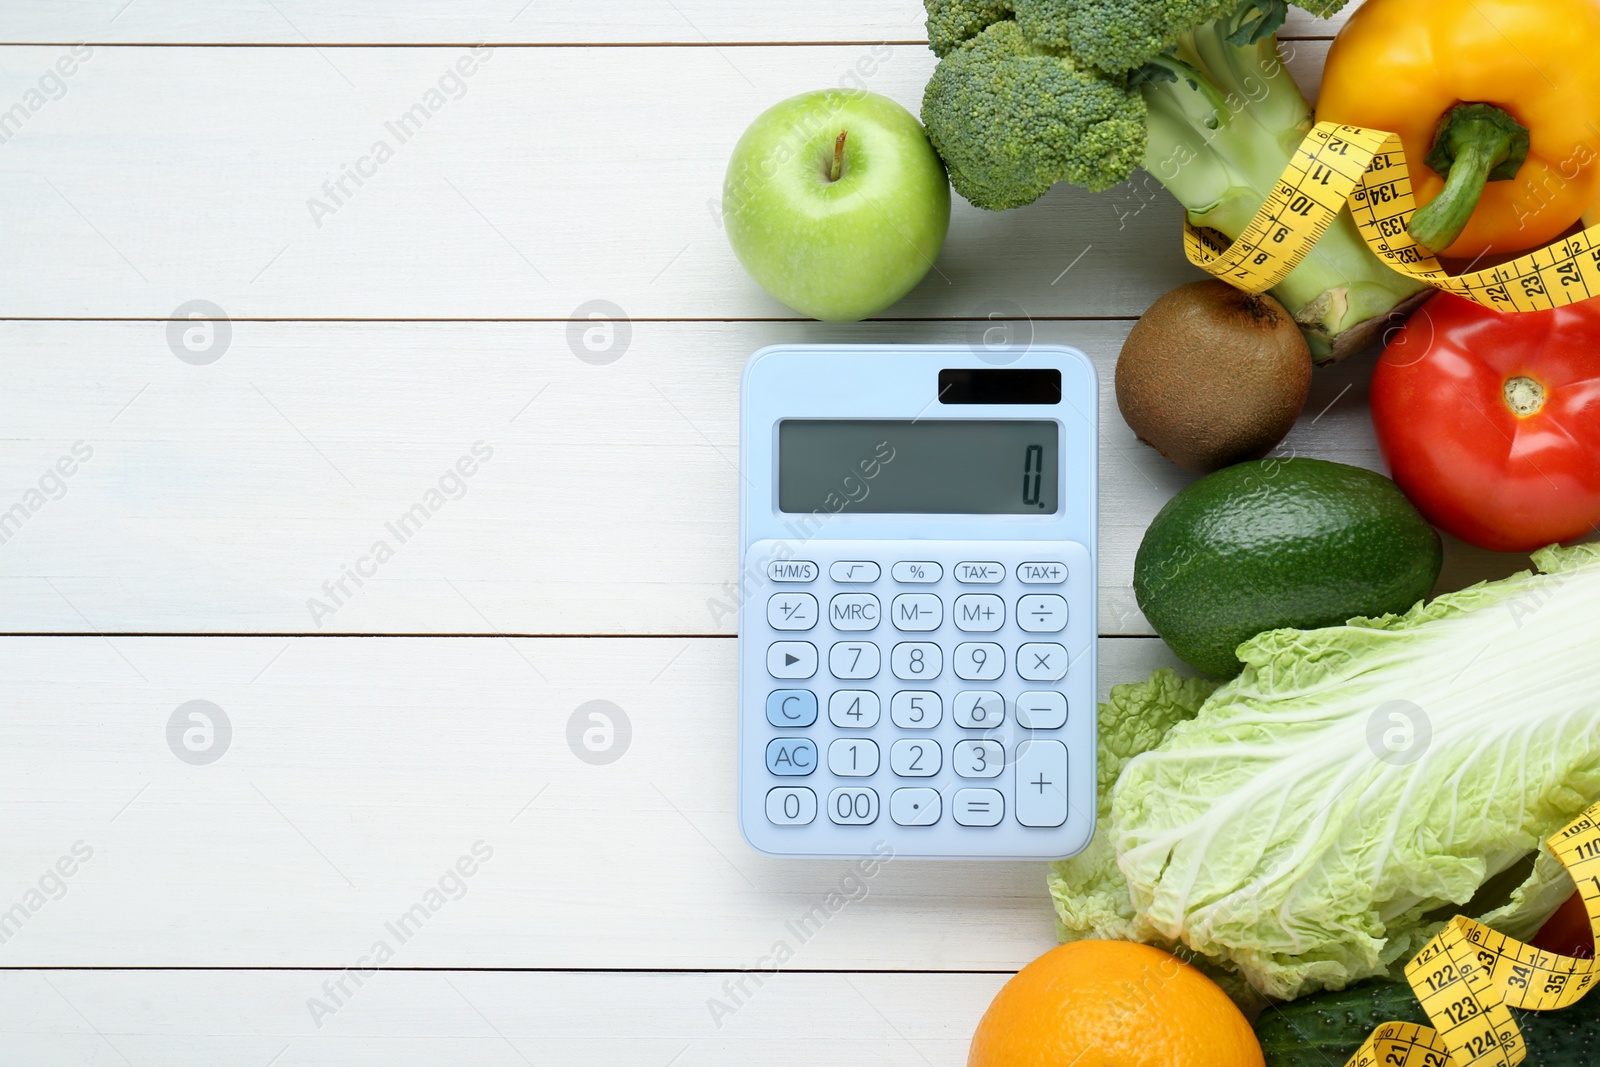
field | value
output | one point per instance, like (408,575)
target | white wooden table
(232,912)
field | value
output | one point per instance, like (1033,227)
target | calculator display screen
(910,466)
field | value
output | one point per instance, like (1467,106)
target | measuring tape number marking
(1335,165)
(1469,977)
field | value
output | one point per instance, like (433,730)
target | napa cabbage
(1315,820)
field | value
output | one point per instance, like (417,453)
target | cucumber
(1326,1028)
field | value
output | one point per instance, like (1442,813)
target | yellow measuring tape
(1468,979)
(1338,164)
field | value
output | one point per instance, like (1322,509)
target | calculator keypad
(908,693)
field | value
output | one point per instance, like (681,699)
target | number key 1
(853,757)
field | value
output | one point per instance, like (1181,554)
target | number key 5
(914,709)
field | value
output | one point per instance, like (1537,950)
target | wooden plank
(166,175)
(410,1019)
(295,22)
(359,772)
(230,497)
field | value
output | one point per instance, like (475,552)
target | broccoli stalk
(1221,173)
(1205,106)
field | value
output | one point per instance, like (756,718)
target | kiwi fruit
(1211,375)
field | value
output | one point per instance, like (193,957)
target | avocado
(1281,542)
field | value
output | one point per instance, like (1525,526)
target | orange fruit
(1112,1004)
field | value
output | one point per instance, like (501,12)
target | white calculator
(917,623)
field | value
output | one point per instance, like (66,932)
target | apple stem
(838,157)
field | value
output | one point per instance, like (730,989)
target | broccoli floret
(1115,35)
(1034,92)
(1323,9)
(1010,120)
(951,23)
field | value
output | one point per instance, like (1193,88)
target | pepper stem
(838,157)
(1474,144)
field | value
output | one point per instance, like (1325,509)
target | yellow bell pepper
(1472,87)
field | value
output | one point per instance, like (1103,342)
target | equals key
(979,807)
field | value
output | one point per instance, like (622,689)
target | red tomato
(1567,931)
(1490,421)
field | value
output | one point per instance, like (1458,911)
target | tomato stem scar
(1524,396)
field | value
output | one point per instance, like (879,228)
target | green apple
(836,203)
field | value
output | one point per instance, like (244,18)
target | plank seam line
(500,44)
(513,970)
(356,636)
(639,318)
